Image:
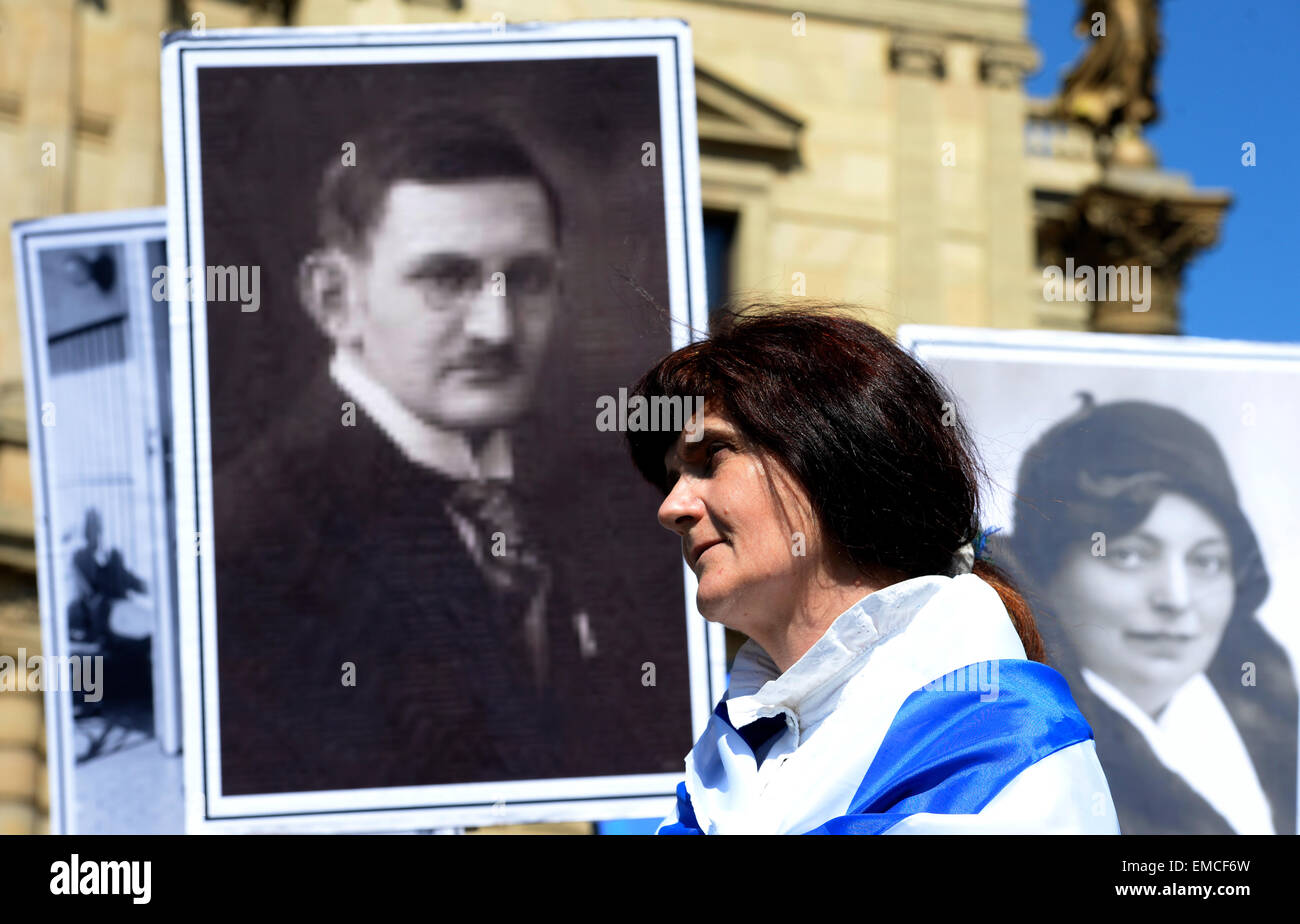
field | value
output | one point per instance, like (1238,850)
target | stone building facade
(873,153)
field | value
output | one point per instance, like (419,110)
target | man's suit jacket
(333,549)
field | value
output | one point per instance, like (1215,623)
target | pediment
(736,122)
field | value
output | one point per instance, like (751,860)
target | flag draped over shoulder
(949,751)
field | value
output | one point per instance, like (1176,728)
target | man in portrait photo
(388,612)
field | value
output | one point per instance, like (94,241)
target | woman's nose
(1172,592)
(682,508)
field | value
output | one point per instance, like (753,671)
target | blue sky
(1228,74)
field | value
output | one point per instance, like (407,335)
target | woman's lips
(1169,644)
(703,549)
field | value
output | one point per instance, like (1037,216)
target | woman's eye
(1127,558)
(1210,565)
(706,466)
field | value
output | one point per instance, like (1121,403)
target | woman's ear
(327,289)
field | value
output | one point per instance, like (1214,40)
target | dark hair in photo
(442,143)
(1103,468)
(868,433)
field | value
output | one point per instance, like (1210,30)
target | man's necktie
(503,549)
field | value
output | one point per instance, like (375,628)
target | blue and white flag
(847,742)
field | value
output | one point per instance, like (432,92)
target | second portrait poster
(1140,496)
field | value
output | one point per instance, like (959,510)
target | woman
(826,499)
(1128,529)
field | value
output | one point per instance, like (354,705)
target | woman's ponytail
(1022,617)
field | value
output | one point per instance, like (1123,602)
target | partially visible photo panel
(421,583)
(1142,489)
(96,362)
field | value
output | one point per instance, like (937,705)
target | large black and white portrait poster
(420,586)
(1144,489)
(95,354)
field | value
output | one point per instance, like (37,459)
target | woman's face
(744,551)
(1149,614)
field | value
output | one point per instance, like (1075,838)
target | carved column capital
(916,54)
(1005,66)
(1156,232)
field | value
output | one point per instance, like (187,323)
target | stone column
(49,104)
(918,281)
(1010,206)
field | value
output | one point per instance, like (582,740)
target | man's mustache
(499,361)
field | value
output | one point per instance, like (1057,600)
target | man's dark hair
(438,144)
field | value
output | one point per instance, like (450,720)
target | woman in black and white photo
(1146,578)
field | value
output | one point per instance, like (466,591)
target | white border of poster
(1262,465)
(420,807)
(132,230)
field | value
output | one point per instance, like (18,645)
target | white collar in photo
(446,451)
(1196,738)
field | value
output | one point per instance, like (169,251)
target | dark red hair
(870,435)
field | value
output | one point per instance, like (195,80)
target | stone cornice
(970,20)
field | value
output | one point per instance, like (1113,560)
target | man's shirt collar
(446,451)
